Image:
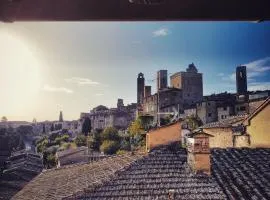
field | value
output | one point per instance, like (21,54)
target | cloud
(99,94)
(259,66)
(81,81)
(259,86)
(57,89)
(255,69)
(161,32)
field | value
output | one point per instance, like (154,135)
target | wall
(259,128)
(207,111)
(223,137)
(223,114)
(199,162)
(241,141)
(163,135)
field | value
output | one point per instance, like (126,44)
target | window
(225,108)
(209,114)
(242,108)
(208,103)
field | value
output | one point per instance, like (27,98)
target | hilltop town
(179,142)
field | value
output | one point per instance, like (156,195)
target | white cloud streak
(260,65)
(161,32)
(81,81)
(255,69)
(49,88)
(259,86)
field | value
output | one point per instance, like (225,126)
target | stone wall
(163,135)
(223,137)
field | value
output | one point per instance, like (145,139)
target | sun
(19,75)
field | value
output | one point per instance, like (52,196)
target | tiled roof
(236,174)
(72,179)
(226,122)
(152,177)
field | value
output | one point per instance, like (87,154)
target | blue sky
(80,65)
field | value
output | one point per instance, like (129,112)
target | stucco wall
(163,136)
(241,141)
(223,137)
(259,128)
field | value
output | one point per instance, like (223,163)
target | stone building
(224,131)
(224,111)
(162,79)
(102,117)
(168,99)
(147,91)
(207,111)
(191,84)
(257,125)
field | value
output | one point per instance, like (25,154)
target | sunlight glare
(19,75)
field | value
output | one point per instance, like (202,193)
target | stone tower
(61,117)
(199,152)
(140,88)
(162,79)
(241,80)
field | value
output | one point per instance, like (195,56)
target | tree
(43,129)
(109,147)
(52,128)
(110,133)
(136,127)
(94,141)
(86,127)
(34,121)
(4,119)
(80,140)
(193,122)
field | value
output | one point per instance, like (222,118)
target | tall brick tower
(140,88)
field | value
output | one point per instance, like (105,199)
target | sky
(46,67)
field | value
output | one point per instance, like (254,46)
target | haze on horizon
(46,67)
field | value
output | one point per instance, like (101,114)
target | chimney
(199,152)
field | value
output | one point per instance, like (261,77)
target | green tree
(110,133)
(136,127)
(86,127)
(80,140)
(42,144)
(109,147)
(94,141)
(193,122)
(52,128)
(4,119)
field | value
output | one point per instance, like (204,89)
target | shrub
(121,152)
(80,140)
(109,147)
(110,133)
